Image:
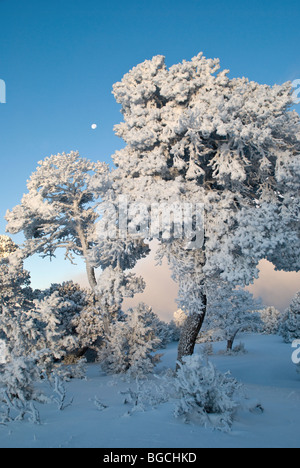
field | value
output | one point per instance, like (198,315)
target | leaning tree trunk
(90,271)
(190,332)
(230,344)
(230,341)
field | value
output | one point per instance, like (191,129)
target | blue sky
(60,58)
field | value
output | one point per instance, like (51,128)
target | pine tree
(195,136)
(205,395)
(17,392)
(130,345)
(166,332)
(16,323)
(231,311)
(59,210)
(19,333)
(290,328)
(271,319)
(14,280)
(54,335)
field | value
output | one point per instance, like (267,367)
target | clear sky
(60,58)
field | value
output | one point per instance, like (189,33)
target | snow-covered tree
(55,337)
(166,332)
(271,319)
(14,280)
(19,336)
(229,312)
(35,334)
(142,342)
(59,210)
(114,285)
(131,344)
(84,317)
(74,306)
(206,396)
(84,314)
(89,326)
(16,322)
(195,136)
(17,391)
(290,327)
(72,293)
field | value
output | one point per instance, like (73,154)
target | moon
(94,126)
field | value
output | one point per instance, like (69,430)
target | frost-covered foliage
(114,285)
(17,392)
(54,336)
(166,332)
(79,315)
(103,307)
(193,135)
(290,327)
(178,322)
(71,300)
(60,393)
(130,345)
(229,312)
(35,334)
(175,331)
(84,314)
(89,327)
(19,335)
(192,121)
(37,330)
(72,293)
(7,246)
(179,317)
(59,209)
(17,325)
(14,280)
(149,394)
(271,319)
(206,396)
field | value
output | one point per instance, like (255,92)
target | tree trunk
(230,344)
(91,275)
(190,332)
(231,341)
(85,250)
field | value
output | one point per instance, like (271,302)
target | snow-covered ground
(266,370)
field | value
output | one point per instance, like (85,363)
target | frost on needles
(194,135)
